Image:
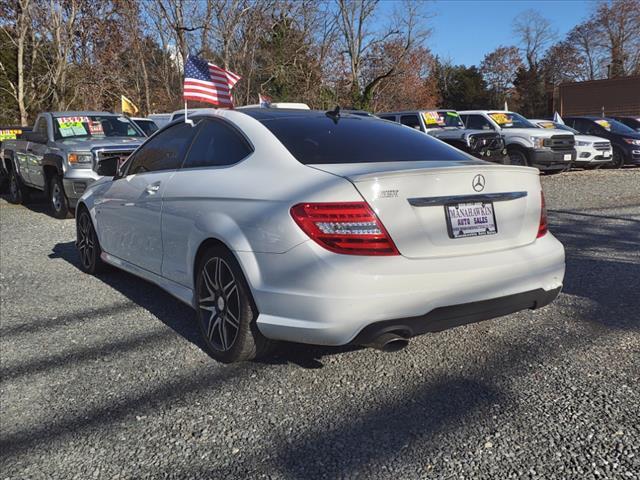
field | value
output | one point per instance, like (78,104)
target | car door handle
(153,188)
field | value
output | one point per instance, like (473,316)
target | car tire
(18,193)
(88,245)
(617,160)
(58,203)
(225,309)
(518,157)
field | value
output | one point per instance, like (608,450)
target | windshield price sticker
(96,128)
(431,118)
(72,126)
(500,118)
(547,125)
(453,114)
(9,134)
(604,124)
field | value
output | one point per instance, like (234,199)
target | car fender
(53,160)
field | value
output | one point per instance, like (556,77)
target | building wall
(618,96)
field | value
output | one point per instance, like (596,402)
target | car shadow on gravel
(181,319)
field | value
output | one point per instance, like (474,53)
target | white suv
(549,150)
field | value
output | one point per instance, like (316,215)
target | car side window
(477,122)
(41,126)
(388,117)
(216,144)
(411,121)
(165,151)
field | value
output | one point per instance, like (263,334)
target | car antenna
(334,114)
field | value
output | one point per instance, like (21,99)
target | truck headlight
(79,158)
(582,144)
(632,141)
(538,142)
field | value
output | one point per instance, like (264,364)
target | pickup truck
(446,125)
(550,150)
(60,156)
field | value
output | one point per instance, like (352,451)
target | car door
(128,213)
(203,189)
(36,151)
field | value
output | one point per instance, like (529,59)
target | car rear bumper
(443,318)
(310,295)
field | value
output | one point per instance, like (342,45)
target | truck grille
(479,142)
(103,153)
(560,142)
(602,146)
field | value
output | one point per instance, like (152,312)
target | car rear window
(320,139)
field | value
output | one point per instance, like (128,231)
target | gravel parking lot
(106,377)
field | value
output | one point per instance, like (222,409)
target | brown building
(617,96)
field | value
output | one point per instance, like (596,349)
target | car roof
(278,113)
(82,112)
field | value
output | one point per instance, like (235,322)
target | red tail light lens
(543,228)
(350,228)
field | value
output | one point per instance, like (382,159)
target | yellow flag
(128,106)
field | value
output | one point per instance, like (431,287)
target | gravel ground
(106,378)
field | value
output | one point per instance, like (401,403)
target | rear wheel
(88,245)
(226,311)
(17,192)
(57,199)
(518,157)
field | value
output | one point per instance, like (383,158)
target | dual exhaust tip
(388,342)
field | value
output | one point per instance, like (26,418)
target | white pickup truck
(549,150)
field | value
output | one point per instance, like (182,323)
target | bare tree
(499,70)
(535,33)
(360,39)
(584,38)
(618,23)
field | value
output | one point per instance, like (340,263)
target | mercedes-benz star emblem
(478,183)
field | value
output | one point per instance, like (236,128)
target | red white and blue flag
(206,82)
(264,100)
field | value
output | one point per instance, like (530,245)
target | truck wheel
(18,193)
(88,245)
(226,310)
(518,157)
(57,199)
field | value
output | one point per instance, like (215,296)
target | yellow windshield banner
(547,125)
(431,118)
(604,124)
(500,118)
(9,134)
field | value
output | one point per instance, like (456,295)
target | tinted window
(477,122)
(147,126)
(317,138)
(216,144)
(165,151)
(388,117)
(41,126)
(410,121)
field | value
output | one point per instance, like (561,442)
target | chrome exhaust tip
(389,342)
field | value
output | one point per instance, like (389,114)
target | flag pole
(186,119)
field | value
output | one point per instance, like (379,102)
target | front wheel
(57,199)
(617,160)
(518,157)
(88,245)
(226,311)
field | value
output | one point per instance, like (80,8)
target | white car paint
(304,292)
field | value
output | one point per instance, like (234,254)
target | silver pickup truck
(61,155)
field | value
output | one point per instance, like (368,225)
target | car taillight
(350,228)
(543,227)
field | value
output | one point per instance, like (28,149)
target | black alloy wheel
(88,245)
(226,311)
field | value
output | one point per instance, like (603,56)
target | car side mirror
(108,167)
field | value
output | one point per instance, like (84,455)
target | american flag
(206,82)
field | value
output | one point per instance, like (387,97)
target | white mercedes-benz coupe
(321,228)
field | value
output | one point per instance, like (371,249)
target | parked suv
(550,150)
(61,155)
(625,140)
(631,122)
(591,151)
(447,126)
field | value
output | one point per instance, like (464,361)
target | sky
(466,30)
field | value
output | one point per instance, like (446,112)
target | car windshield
(559,126)
(95,126)
(510,120)
(614,126)
(320,139)
(147,126)
(442,119)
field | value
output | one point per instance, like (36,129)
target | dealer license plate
(471,219)
(567,156)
